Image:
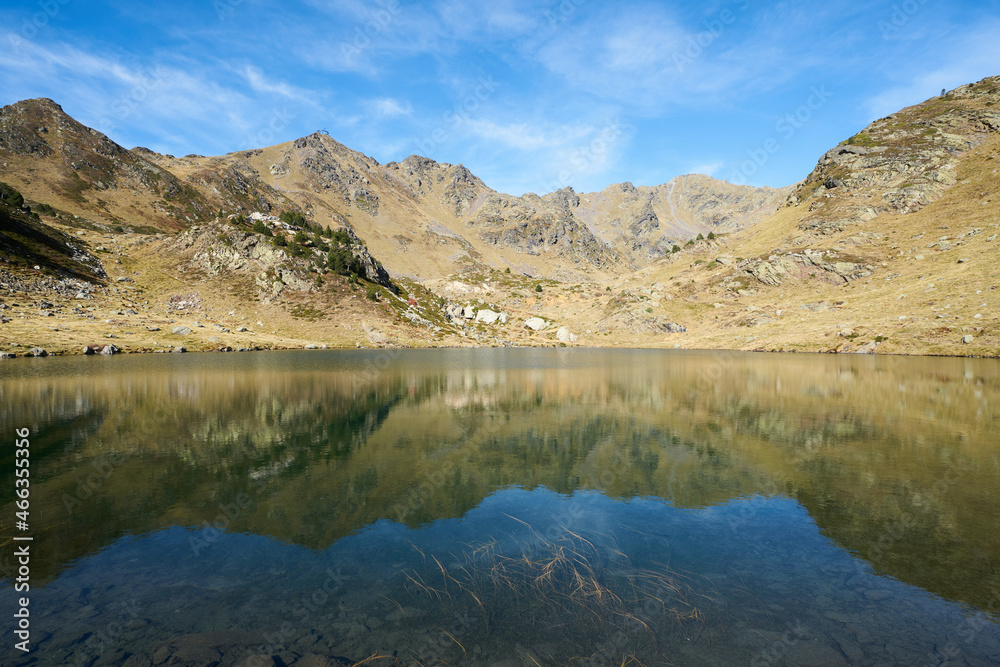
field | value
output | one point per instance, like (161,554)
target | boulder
(311,346)
(673,327)
(7,355)
(967,339)
(108,350)
(535,323)
(37,352)
(564,335)
(487,316)
(181,331)
(504,318)
(179,349)
(469,312)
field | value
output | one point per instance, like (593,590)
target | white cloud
(708,169)
(387,107)
(261,84)
(526,137)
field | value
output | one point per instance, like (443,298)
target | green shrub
(691,242)
(711,236)
(280,241)
(538,288)
(10,196)
(700,237)
(676,248)
(260,228)
(372,293)
(45,209)
(293,218)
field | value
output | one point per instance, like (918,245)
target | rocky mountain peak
(900,163)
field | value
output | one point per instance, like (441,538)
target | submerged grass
(579,586)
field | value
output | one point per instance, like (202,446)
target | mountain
(888,245)
(427,219)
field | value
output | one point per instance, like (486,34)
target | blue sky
(530,96)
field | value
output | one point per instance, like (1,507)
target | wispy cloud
(974,56)
(387,107)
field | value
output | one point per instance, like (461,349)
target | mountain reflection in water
(767,502)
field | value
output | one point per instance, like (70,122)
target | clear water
(506,507)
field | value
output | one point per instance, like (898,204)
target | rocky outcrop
(900,163)
(807,264)
(536,225)
(219,249)
(564,335)
(329,165)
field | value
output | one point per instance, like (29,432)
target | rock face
(779,268)
(899,163)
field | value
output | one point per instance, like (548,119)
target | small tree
(260,228)
(690,242)
(538,288)
(700,237)
(371,292)
(280,240)
(293,218)
(711,236)
(507,270)
(676,248)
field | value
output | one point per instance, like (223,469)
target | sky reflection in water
(571,507)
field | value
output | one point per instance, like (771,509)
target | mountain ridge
(845,260)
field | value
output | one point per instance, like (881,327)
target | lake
(505,507)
